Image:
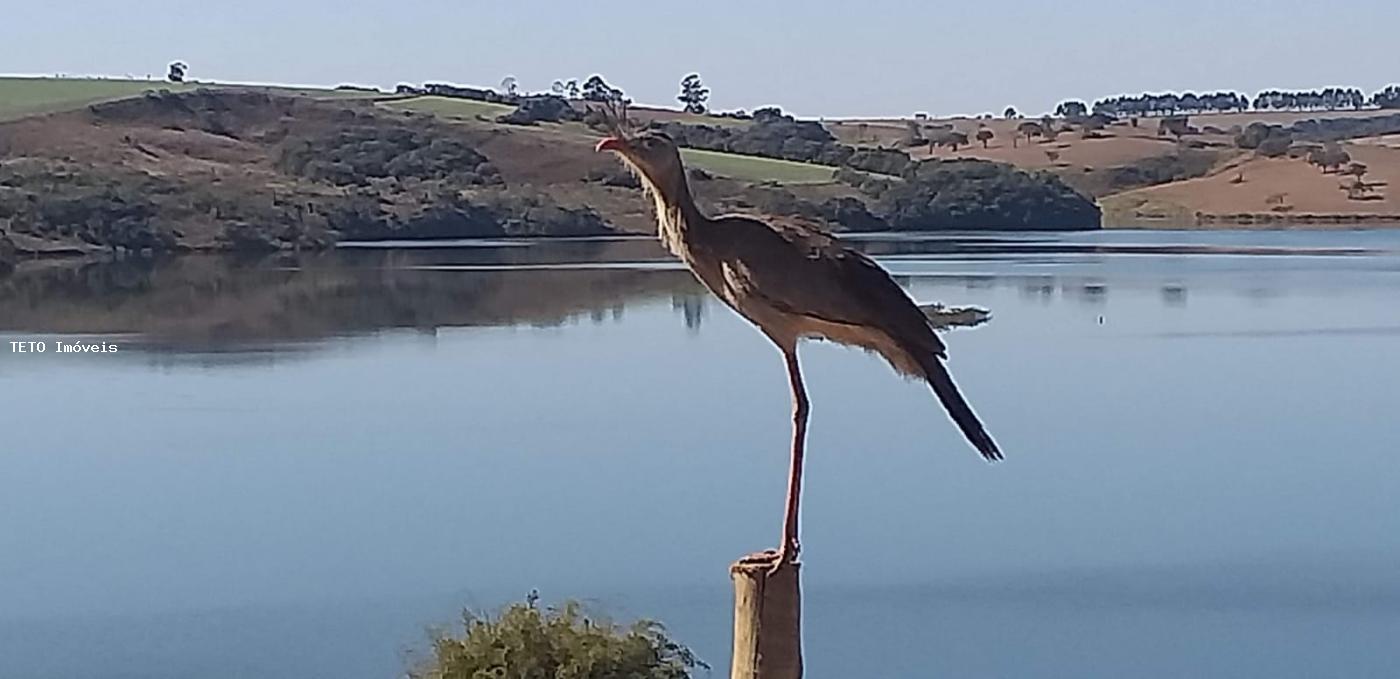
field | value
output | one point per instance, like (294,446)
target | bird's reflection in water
(1041,289)
(1174,295)
(692,308)
(1092,293)
(603,314)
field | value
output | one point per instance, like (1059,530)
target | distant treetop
(1329,99)
(177,72)
(597,89)
(694,94)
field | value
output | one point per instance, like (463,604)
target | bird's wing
(798,269)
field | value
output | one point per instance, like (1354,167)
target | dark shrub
(1338,129)
(545,108)
(526,642)
(1149,171)
(1273,147)
(772,134)
(354,154)
(975,194)
(882,161)
(1255,134)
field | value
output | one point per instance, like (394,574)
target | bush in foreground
(528,642)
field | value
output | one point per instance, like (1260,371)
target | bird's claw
(782,556)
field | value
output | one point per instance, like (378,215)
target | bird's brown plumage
(794,281)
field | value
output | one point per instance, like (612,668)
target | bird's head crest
(614,113)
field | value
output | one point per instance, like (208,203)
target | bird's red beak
(611,144)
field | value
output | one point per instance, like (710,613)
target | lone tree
(177,71)
(1029,129)
(571,88)
(985,135)
(1358,189)
(597,89)
(509,85)
(1010,113)
(1357,170)
(1329,158)
(1071,109)
(694,94)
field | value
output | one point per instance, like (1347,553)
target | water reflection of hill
(212,302)
(202,303)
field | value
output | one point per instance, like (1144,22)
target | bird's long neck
(676,214)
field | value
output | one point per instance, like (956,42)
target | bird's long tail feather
(952,399)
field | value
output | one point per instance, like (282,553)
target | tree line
(595,88)
(1171,103)
(694,95)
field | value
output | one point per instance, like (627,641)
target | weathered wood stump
(767,619)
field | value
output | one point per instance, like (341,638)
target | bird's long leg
(789,546)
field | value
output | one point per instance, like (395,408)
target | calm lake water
(294,465)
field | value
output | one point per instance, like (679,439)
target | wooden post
(767,619)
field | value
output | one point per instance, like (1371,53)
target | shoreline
(1264,222)
(30,258)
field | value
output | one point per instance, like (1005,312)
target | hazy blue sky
(820,57)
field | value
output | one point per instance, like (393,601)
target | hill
(21,97)
(1268,191)
(1145,175)
(252,168)
(1138,169)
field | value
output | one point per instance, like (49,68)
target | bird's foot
(775,559)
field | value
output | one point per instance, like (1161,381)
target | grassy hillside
(755,169)
(225,168)
(647,115)
(1144,177)
(729,165)
(243,169)
(1267,191)
(452,109)
(21,97)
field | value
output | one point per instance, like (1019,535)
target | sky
(813,58)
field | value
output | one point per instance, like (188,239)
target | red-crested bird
(794,282)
